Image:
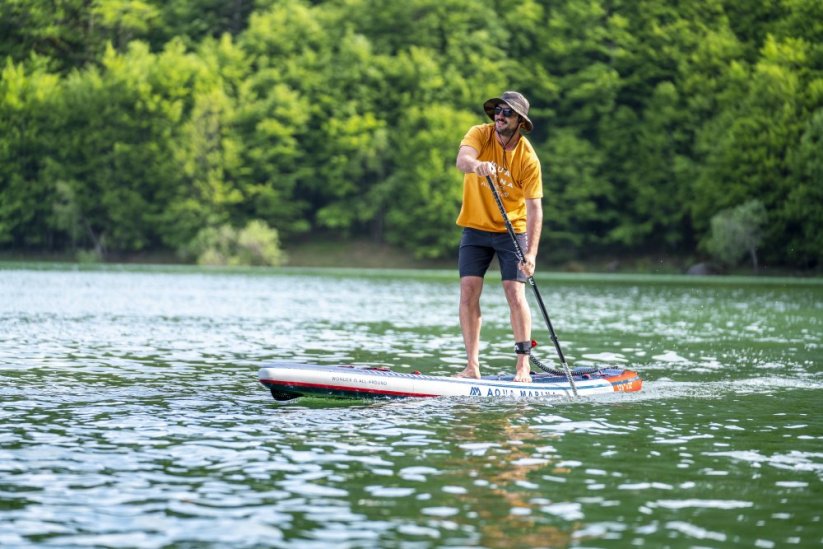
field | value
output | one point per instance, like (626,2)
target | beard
(507,132)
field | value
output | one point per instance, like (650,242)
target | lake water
(131,415)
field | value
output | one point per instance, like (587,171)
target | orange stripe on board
(627,382)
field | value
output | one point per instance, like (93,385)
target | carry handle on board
(533,285)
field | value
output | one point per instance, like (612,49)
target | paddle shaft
(532,283)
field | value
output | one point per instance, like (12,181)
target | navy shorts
(477,248)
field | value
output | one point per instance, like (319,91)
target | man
(500,151)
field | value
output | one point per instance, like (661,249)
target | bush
(255,244)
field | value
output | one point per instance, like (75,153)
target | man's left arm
(534,226)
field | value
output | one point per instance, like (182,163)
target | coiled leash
(525,348)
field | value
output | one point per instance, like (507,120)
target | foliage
(801,216)
(132,125)
(255,244)
(736,232)
(28,94)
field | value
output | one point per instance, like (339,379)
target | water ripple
(130,415)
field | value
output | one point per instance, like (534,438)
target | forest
(218,130)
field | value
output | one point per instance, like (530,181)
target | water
(130,414)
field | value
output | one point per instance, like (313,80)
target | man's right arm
(467,162)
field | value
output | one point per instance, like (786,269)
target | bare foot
(471,372)
(522,376)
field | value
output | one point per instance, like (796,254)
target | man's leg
(521,320)
(470,321)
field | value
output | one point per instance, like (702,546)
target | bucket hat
(516,101)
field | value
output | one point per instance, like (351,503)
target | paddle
(522,258)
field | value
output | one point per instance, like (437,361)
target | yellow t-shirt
(518,177)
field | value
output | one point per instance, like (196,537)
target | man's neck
(508,142)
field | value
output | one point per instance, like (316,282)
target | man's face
(506,121)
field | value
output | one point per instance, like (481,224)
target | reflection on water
(130,415)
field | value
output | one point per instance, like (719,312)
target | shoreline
(366,255)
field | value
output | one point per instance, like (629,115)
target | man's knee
(470,289)
(515,292)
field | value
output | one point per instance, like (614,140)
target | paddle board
(288,380)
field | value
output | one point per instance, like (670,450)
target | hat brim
(489,106)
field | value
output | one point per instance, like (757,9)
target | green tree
(117,126)
(802,212)
(63,32)
(654,176)
(197,20)
(578,197)
(208,156)
(421,197)
(135,124)
(125,20)
(29,94)
(747,145)
(736,232)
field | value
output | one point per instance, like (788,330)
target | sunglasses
(508,113)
